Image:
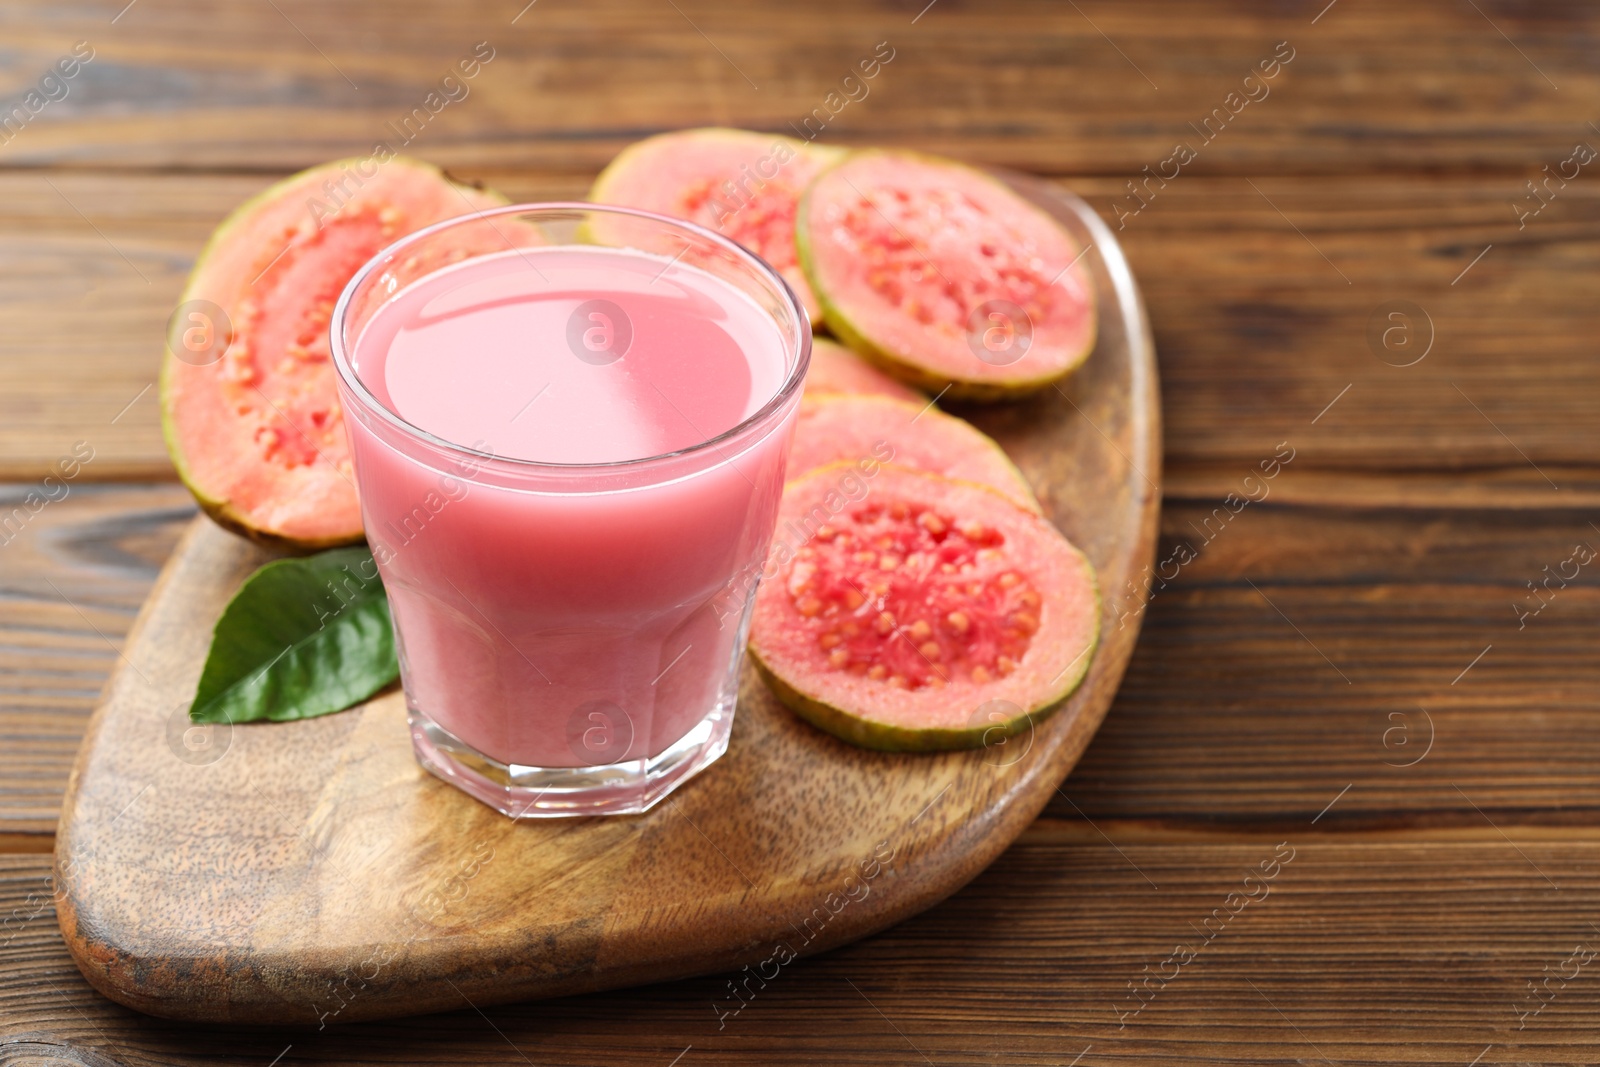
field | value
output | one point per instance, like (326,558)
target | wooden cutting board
(311,873)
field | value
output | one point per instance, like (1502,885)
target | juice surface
(572,355)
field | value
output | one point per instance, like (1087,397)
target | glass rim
(352,380)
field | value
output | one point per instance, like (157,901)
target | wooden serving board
(310,873)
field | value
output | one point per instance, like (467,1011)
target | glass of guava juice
(569,424)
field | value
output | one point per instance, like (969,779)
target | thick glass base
(553,792)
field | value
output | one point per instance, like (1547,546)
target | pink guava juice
(571,542)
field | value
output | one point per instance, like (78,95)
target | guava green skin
(908,370)
(864,732)
(222,511)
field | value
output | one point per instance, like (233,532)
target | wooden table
(1348,672)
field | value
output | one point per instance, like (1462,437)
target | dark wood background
(1316,643)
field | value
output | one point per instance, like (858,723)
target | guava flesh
(945,276)
(836,369)
(833,429)
(744,185)
(905,607)
(258,433)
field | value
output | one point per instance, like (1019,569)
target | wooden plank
(1257,333)
(1262,329)
(1402,654)
(1355,952)
(71,578)
(1517,488)
(1102,88)
(1400,598)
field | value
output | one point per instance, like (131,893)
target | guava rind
(934,363)
(243,242)
(826,705)
(887,738)
(687,173)
(839,427)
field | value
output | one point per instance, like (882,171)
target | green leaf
(301,638)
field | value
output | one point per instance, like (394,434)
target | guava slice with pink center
(925,613)
(836,369)
(839,428)
(744,185)
(944,276)
(249,399)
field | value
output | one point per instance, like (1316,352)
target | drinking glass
(570,634)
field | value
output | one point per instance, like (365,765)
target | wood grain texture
(1096,88)
(1227,719)
(1256,354)
(1030,964)
(72,577)
(1307,649)
(1396,144)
